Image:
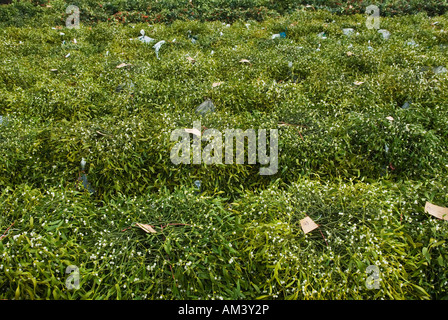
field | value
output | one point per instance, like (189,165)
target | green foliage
(362,176)
(38,12)
(19,13)
(208,248)
(341,129)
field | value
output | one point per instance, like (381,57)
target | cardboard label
(308,224)
(122,65)
(145,227)
(194,131)
(436,211)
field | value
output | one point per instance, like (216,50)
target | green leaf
(426,254)
(17,295)
(118,291)
(441,261)
(55,294)
(421,290)
(167,246)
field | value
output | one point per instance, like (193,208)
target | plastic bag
(197,184)
(439,69)
(157,47)
(279,35)
(127,85)
(385,33)
(348,31)
(322,35)
(3,120)
(204,107)
(406,105)
(86,183)
(191,37)
(143,38)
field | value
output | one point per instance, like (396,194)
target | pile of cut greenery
(366,148)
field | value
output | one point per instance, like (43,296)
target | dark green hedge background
(38,12)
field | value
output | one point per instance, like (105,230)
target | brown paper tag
(194,131)
(122,65)
(308,224)
(436,211)
(145,227)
